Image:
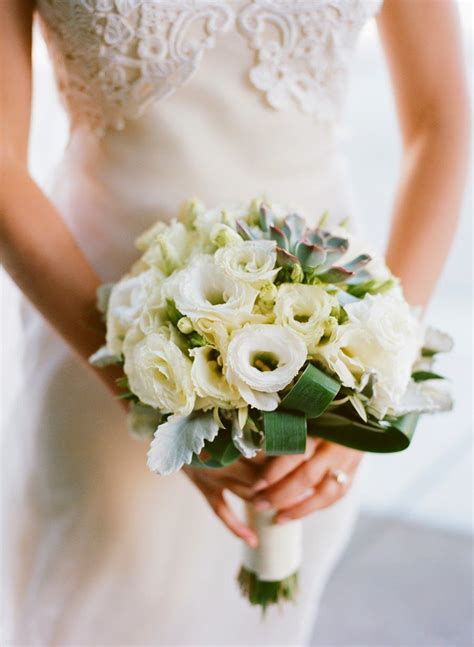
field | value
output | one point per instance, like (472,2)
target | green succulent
(305,254)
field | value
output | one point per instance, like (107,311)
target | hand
(240,478)
(299,484)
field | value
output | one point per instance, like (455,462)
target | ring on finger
(339,476)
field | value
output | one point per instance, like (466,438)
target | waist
(109,190)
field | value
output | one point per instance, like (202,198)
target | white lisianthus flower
(381,339)
(252,261)
(158,372)
(203,290)
(125,305)
(214,332)
(208,378)
(167,247)
(261,360)
(222,235)
(154,312)
(206,221)
(306,309)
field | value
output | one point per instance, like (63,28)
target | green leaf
(336,242)
(244,230)
(421,376)
(142,420)
(174,315)
(309,254)
(294,227)
(279,237)
(358,262)
(222,449)
(335,275)
(195,340)
(265,217)
(285,259)
(285,432)
(314,237)
(312,393)
(393,436)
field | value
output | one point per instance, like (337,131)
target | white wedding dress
(224,100)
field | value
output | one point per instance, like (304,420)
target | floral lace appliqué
(115,57)
(303,49)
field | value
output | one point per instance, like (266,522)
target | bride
(226,100)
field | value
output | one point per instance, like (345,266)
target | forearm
(427,207)
(42,257)
(433,111)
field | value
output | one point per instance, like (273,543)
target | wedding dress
(224,100)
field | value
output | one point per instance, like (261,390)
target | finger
(277,468)
(244,492)
(245,473)
(225,514)
(325,494)
(293,486)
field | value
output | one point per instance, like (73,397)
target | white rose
(202,290)
(209,380)
(252,261)
(159,373)
(168,248)
(305,309)
(382,338)
(261,360)
(126,301)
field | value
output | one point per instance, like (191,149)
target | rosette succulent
(306,255)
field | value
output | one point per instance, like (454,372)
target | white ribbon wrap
(280,547)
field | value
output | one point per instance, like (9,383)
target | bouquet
(242,330)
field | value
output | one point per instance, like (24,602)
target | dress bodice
(225,100)
(114,58)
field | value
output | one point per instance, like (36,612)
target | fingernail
(260,485)
(262,505)
(252,541)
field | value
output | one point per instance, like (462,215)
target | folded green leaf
(285,432)
(393,436)
(312,393)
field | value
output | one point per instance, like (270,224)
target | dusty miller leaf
(178,438)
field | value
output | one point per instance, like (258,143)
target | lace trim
(115,57)
(303,49)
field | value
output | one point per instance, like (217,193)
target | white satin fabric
(99,551)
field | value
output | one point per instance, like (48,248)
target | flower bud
(297,274)
(185,325)
(223,235)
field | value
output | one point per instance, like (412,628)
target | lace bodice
(113,58)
